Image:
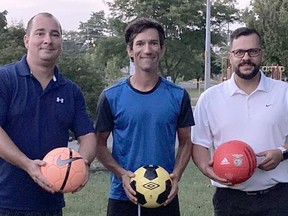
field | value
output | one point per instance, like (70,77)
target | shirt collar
(234,89)
(24,70)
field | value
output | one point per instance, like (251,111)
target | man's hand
(126,178)
(271,159)
(174,189)
(209,172)
(33,169)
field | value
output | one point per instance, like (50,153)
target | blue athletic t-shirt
(143,124)
(37,121)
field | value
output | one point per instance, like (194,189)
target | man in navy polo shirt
(38,106)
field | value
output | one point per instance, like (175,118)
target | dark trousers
(271,202)
(10,212)
(127,208)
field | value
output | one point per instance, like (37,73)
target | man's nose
(47,38)
(147,48)
(246,55)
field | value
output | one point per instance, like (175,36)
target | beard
(251,75)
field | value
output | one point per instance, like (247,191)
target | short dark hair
(30,22)
(138,25)
(244,31)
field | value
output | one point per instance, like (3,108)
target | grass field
(195,195)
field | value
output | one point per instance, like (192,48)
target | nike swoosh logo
(268,105)
(64,162)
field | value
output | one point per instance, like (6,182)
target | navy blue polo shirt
(37,121)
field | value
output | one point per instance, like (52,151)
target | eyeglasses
(240,53)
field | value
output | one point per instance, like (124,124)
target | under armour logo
(60,100)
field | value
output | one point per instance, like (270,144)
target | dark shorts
(127,208)
(271,202)
(9,212)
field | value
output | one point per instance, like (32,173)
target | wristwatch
(284,153)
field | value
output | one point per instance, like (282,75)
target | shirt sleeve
(104,117)
(186,118)
(201,131)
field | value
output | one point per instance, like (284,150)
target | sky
(69,12)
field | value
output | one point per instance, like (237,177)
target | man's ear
(26,41)
(129,51)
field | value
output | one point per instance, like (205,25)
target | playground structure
(273,71)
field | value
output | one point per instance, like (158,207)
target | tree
(184,24)
(83,70)
(12,46)
(82,59)
(270,19)
(96,27)
(3,20)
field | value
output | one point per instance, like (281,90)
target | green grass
(195,195)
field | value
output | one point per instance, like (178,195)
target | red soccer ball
(235,161)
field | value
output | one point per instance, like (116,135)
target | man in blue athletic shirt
(144,114)
(38,107)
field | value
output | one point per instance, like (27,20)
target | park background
(95,57)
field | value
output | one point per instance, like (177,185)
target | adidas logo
(224,161)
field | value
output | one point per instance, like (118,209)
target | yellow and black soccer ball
(152,184)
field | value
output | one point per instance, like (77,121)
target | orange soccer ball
(235,161)
(65,169)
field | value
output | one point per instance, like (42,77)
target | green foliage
(111,47)
(110,54)
(82,69)
(270,19)
(184,24)
(11,45)
(73,42)
(216,64)
(96,27)
(112,72)
(3,20)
